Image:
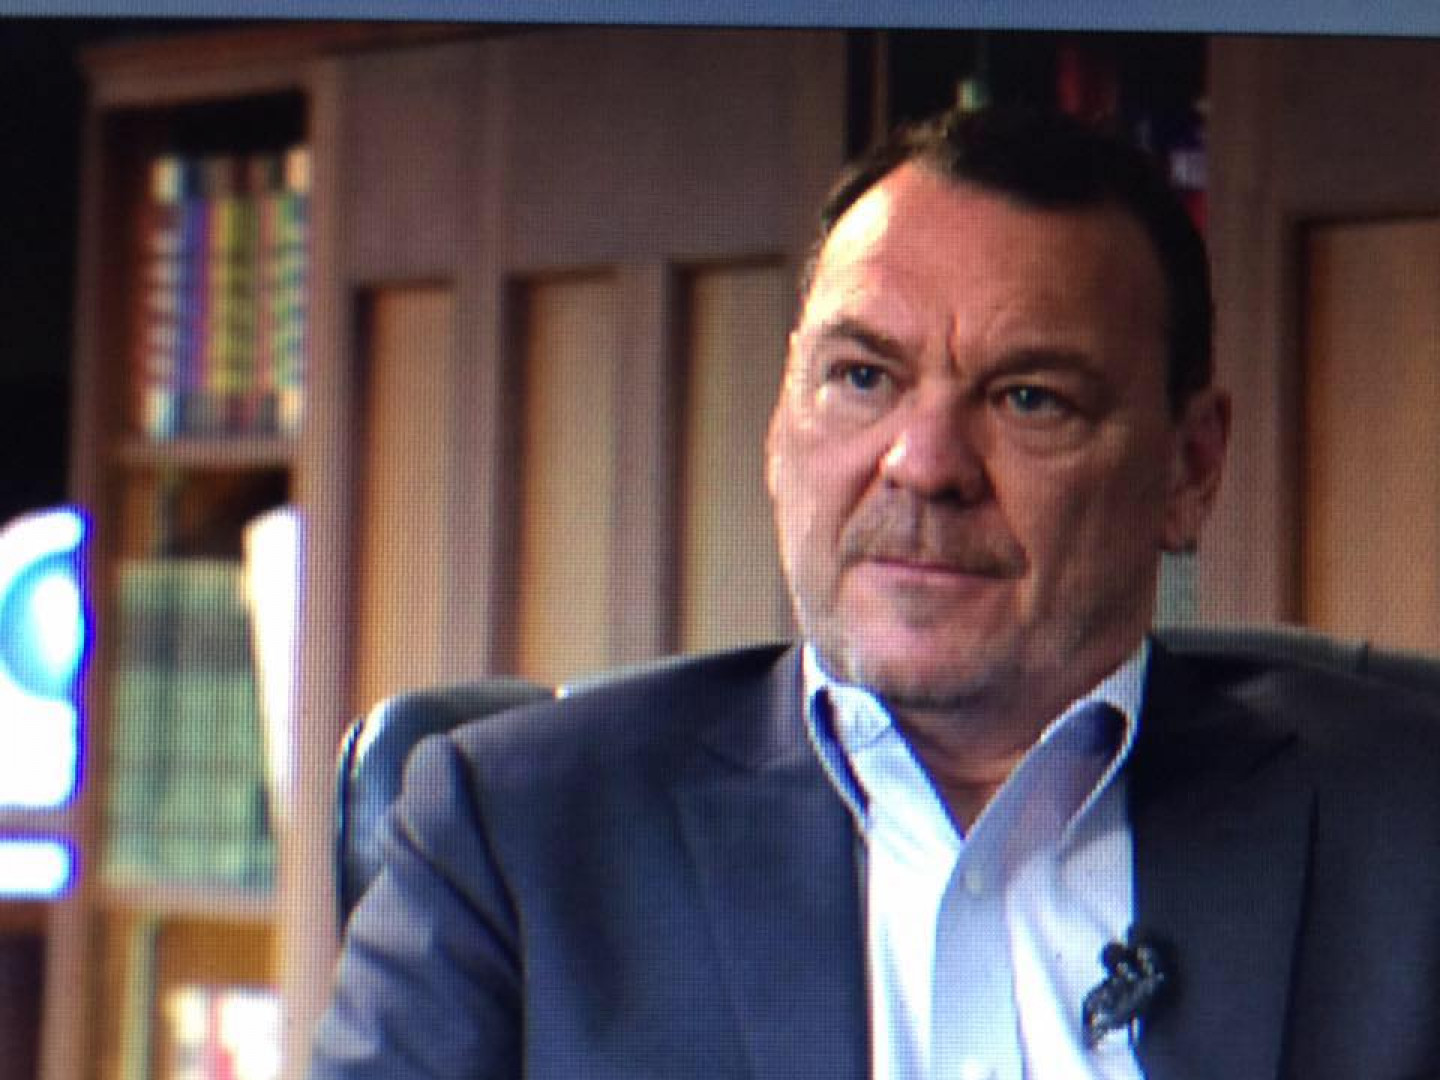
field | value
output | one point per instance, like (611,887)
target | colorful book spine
(195,313)
(291,286)
(224,264)
(160,317)
(212,381)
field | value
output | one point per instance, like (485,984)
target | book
(141,716)
(222,269)
(160,317)
(187,796)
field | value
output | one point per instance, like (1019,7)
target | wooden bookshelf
(231,904)
(240,453)
(115,946)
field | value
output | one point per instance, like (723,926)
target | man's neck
(970,752)
(967,762)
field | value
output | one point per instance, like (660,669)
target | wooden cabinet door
(610,221)
(1370,528)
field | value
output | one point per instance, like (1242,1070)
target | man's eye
(861,376)
(1034,401)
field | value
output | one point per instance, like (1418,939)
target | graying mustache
(921,537)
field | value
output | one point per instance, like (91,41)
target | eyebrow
(1019,361)
(867,337)
(1042,358)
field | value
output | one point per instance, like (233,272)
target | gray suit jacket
(655,879)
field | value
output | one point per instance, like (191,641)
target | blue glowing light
(42,627)
(44,634)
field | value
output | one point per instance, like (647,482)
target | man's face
(972,460)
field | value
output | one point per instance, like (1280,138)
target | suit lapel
(773,851)
(1221,818)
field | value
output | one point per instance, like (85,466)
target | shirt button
(974,885)
(971,1069)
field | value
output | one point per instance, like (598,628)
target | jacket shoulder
(636,712)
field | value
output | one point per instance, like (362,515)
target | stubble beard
(904,528)
(961,687)
(1006,673)
(1014,668)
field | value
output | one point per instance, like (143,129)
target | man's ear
(1202,434)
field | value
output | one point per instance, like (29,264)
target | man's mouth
(924,566)
(965,559)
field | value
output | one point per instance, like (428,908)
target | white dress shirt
(982,947)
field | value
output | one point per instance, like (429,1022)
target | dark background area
(41,103)
(41,95)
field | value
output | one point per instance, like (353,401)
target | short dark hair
(1051,161)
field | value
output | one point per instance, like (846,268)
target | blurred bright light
(42,627)
(43,637)
(250,1033)
(38,767)
(34,869)
(273,551)
(33,535)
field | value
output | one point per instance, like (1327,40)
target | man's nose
(935,451)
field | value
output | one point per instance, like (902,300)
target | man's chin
(910,679)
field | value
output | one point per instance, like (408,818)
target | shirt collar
(843,720)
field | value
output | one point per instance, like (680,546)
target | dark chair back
(1414,671)
(374,751)
(372,764)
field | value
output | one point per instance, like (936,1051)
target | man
(977,825)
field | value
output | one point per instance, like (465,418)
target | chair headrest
(1283,644)
(372,760)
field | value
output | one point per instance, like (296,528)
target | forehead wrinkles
(925,257)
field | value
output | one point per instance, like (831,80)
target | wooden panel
(696,143)
(482,474)
(635,149)
(402,525)
(325,488)
(644,609)
(568,349)
(1370,545)
(732,589)
(405,130)
(1300,129)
